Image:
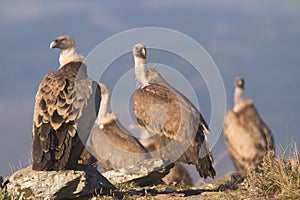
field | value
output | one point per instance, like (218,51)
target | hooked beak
(54,44)
(143,51)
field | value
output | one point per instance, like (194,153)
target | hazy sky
(254,39)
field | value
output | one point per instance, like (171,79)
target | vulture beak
(54,44)
(143,52)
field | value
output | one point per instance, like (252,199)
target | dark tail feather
(205,168)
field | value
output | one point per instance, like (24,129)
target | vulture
(247,136)
(113,146)
(177,127)
(66,107)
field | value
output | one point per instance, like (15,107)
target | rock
(146,172)
(30,184)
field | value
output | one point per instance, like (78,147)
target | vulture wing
(178,129)
(67,103)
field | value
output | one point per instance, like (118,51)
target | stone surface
(29,184)
(146,172)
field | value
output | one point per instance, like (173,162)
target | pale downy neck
(103,105)
(66,55)
(140,67)
(238,95)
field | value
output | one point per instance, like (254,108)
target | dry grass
(277,178)
(3,190)
(3,194)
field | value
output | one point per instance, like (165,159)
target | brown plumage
(113,146)
(247,136)
(177,127)
(67,103)
(178,175)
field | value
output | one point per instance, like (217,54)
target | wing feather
(59,115)
(172,119)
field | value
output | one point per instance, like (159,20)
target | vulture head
(139,51)
(238,93)
(68,52)
(239,82)
(63,42)
(139,54)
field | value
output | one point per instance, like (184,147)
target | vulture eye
(63,41)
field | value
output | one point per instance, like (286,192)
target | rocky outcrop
(146,172)
(84,181)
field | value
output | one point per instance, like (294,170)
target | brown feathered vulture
(113,146)
(247,136)
(177,127)
(66,107)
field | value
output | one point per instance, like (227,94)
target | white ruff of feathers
(69,55)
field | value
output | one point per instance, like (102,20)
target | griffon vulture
(113,146)
(247,136)
(178,129)
(66,107)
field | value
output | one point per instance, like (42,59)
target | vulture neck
(139,66)
(68,55)
(103,106)
(238,95)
